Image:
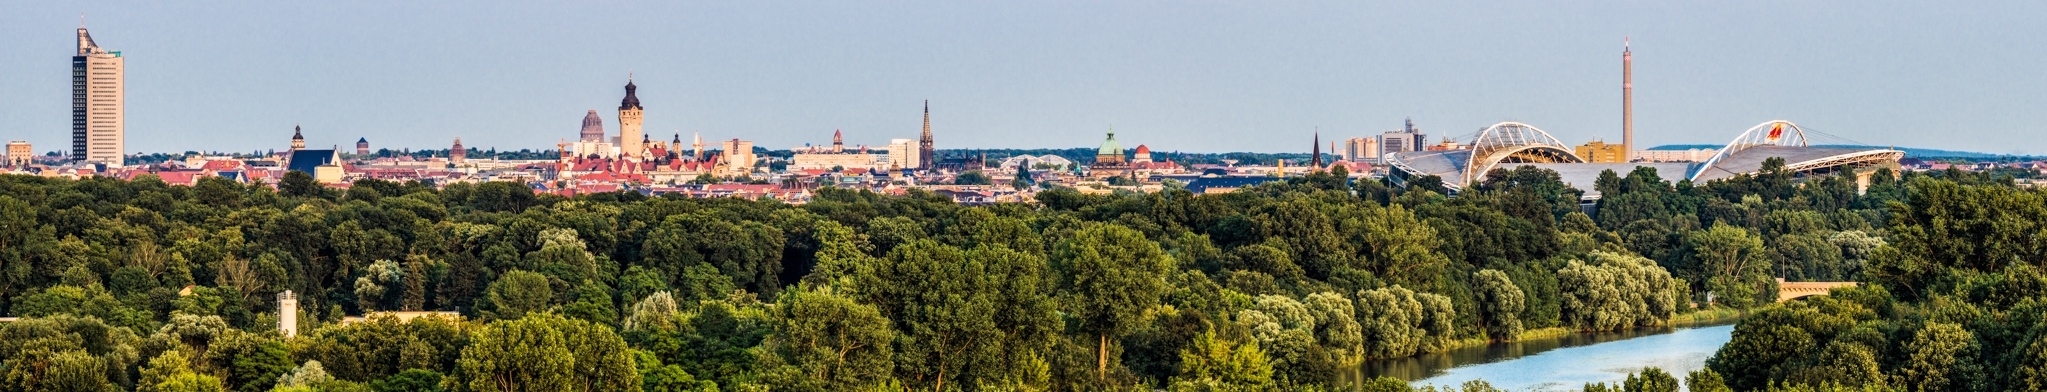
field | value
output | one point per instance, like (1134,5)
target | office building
(904,154)
(739,156)
(1360,149)
(1406,139)
(96,103)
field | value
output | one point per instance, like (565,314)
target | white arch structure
(1786,134)
(1513,142)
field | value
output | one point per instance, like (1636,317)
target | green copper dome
(1111,147)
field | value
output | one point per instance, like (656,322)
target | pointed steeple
(925,148)
(1315,161)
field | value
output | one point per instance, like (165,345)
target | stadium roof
(1510,145)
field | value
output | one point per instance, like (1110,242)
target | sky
(1196,76)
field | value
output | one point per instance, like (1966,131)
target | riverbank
(1539,333)
(1706,316)
(1565,363)
(1716,315)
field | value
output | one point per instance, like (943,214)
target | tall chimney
(1627,102)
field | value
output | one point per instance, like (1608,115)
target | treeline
(1953,303)
(137,285)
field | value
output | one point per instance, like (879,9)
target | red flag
(1776,132)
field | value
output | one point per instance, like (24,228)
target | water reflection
(1564,362)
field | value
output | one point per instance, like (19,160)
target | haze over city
(1203,76)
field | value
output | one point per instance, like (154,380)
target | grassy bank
(1705,316)
(1709,315)
(1542,333)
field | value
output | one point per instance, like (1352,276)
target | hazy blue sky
(1175,75)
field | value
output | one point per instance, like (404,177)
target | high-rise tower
(839,142)
(924,148)
(96,103)
(1627,102)
(629,121)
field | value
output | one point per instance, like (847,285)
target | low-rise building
(1600,152)
(846,160)
(20,154)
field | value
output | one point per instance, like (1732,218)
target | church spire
(925,149)
(1316,160)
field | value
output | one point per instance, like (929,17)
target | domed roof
(632,99)
(1141,149)
(1111,147)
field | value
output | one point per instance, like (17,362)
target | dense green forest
(137,285)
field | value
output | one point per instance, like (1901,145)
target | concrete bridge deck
(1787,291)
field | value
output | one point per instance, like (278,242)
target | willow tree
(1398,322)
(1616,291)
(1499,304)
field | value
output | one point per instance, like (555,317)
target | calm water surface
(1564,363)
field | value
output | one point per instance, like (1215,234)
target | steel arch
(1513,142)
(1769,133)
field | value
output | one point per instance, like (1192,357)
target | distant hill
(1921,153)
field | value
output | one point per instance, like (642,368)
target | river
(1564,363)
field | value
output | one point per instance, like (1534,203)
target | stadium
(1509,145)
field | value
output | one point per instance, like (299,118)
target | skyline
(1196,77)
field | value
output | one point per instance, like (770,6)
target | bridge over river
(1787,291)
